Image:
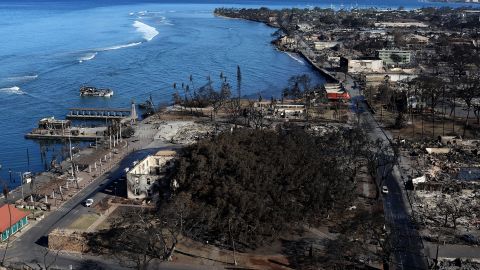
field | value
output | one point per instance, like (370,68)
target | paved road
(407,243)
(30,247)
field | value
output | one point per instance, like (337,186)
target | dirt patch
(67,240)
(83,222)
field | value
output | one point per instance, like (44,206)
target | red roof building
(336,92)
(11,220)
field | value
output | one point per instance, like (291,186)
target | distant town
(458,1)
(377,168)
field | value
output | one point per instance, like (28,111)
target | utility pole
(71,161)
(21,183)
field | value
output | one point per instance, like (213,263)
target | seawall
(329,77)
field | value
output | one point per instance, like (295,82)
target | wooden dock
(98,113)
(74,133)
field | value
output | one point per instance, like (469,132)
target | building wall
(15,228)
(145,175)
(320,45)
(385,55)
(368,66)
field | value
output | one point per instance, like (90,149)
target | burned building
(144,176)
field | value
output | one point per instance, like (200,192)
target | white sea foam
(148,31)
(12,90)
(87,57)
(22,78)
(296,58)
(117,47)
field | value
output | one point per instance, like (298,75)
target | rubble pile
(184,132)
(458,264)
(435,205)
(324,129)
(446,188)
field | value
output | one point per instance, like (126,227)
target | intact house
(144,176)
(12,220)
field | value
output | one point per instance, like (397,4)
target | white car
(88,202)
(384,190)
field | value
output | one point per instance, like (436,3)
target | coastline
(328,77)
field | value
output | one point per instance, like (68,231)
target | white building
(364,65)
(144,176)
(286,110)
(379,78)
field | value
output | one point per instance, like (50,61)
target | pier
(72,133)
(37,136)
(98,113)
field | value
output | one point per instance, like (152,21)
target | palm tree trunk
(433,122)
(466,122)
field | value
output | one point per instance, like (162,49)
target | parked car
(88,202)
(384,190)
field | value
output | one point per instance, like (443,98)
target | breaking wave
(296,58)
(87,57)
(12,90)
(117,47)
(22,78)
(148,31)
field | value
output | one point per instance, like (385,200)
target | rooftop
(16,215)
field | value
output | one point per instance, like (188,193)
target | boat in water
(90,91)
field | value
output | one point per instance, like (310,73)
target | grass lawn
(83,222)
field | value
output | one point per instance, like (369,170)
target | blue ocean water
(50,48)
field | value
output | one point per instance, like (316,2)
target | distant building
(287,41)
(321,45)
(336,92)
(417,38)
(379,78)
(404,56)
(304,27)
(144,176)
(52,123)
(286,110)
(364,65)
(11,221)
(401,24)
